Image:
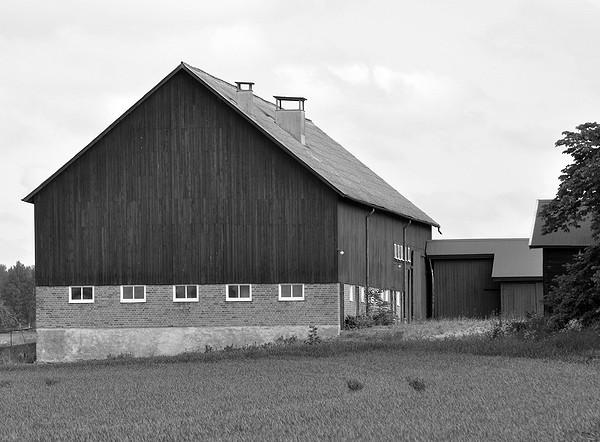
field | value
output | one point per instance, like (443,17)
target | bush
(360,321)
(384,317)
(313,336)
(576,294)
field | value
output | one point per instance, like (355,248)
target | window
(386,295)
(398,252)
(351,294)
(81,295)
(408,254)
(362,294)
(291,292)
(133,293)
(398,299)
(185,293)
(238,292)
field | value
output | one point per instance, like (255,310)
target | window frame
(186,299)
(351,296)
(362,295)
(238,299)
(81,301)
(386,295)
(133,301)
(292,298)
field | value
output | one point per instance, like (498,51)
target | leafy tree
(576,294)
(18,292)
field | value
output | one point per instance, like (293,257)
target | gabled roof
(513,259)
(326,158)
(580,237)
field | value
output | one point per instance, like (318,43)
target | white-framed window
(398,299)
(386,295)
(351,293)
(81,294)
(408,254)
(185,293)
(238,292)
(362,294)
(398,252)
(291,292)
(133,293)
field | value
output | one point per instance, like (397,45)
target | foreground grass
(300,396)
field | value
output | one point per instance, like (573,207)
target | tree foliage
(578,195)
(17,293)
(576,294)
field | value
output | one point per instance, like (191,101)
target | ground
(465,397)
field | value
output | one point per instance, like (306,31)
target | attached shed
(483,277)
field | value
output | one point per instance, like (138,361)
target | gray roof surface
(513,258)
(334,164)
(580,237)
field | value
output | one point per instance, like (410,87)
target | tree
(576,294)
(18,292)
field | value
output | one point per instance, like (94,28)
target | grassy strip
(572,346)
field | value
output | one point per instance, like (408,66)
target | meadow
(401,390)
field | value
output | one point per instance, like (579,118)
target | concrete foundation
(73,344)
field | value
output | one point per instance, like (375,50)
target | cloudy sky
(456,104)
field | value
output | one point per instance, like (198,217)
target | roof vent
(245,96)
(291,120)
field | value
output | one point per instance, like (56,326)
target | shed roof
(325,157)
(580,237)
(513,259)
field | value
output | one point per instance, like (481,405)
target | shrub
(384,317)
(354,385)
(360,321)
(417,384)
(576,294)
(290,340)
(313,336)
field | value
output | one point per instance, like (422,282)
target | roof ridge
(226,82)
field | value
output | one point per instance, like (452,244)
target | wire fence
(16,340)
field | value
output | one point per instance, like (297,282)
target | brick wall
(321,306)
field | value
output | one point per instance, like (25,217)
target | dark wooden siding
(464,288)
(553,262)
(384,230)
(184,190)
(521,298)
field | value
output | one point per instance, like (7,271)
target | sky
(456,104)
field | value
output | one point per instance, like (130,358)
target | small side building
(557,248)
(482,277)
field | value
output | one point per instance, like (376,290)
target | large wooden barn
(206,215)
(485,277)
(558,248)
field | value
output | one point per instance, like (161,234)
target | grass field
(465,397)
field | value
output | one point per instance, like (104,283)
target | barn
(206,215)
(557,248)
(484,277)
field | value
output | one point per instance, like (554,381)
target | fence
(17,344)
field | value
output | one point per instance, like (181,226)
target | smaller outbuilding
(484,277)
(558,248)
